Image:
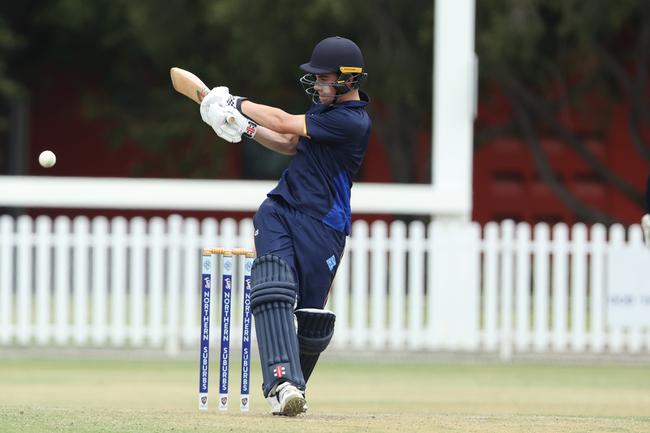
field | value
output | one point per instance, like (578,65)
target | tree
(125,49)
(551,57)
(10,91)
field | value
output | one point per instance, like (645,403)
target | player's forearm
(269,117)
(280,143)
(273,118)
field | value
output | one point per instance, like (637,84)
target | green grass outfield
(345,396)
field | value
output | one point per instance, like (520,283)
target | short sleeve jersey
(318,180)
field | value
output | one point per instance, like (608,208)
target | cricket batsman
(301,227)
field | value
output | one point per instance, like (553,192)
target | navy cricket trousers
(311,248)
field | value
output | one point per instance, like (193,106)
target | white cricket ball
(47,158)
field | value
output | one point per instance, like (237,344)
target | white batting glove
(241,123)
(221,96)
(249,127)
(218,96)
(218,118)
(645,225)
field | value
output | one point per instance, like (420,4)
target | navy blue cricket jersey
(319,178)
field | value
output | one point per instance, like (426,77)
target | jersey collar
(360,103)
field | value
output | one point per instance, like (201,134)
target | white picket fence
(448,286)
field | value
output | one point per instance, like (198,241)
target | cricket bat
(190,85)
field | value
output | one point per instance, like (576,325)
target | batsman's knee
(272,280)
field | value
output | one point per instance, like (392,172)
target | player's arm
(230,124)
(273,128)
(272,118)
(275,119)
(280,143)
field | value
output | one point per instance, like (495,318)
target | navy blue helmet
(334,55)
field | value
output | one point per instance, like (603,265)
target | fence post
(397,267)
(137,281)
(174,227)
(597,289)
(453,305)
(80,281)
(155,300)
(43,274)
(507,253)
(24,280)
(541,249)
(416,245)
(615,336)
(100,280)
(62,280)
(490,285)
(341,293)
(635,332)
(379,272)
(359,283)
(6,283)
(119,278)
(578,287)
(522,287)
(191,278)
(560,286)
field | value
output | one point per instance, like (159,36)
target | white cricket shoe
(287,400)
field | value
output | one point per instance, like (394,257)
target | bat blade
(188,84)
